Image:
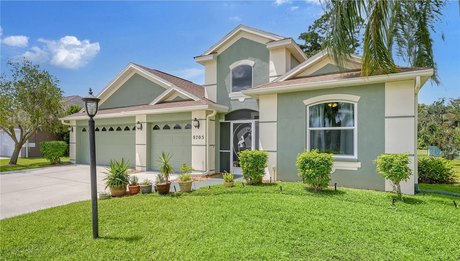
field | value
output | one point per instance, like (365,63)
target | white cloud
(16,40)
(67,52)
(280,2)
(293,8)
(235,18)
(190,73)
(315,2)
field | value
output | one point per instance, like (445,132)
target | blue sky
(86,44)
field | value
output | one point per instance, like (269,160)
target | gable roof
(242,28)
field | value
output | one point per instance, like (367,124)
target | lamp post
(91,107)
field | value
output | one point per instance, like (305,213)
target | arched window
(241,75)
(104,129)
(177,127)
(119,129)
(166,127)
(83,130)
(97,129)
(110,129)
(188,126)
(126,128)
(156,127)
(331,128)
(134,128)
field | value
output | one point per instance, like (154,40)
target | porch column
(199,141)
(268,107)
(73,142)
(401,127)
(141,143)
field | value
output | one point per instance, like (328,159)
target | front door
(242,139)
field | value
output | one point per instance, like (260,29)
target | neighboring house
(260,92)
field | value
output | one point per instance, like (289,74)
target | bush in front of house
(53,150)
(315,168)
(435,170)
(394,167)
(253,164)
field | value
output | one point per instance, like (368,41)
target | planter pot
(118,191)
(185,186)
(229,184)
(133,190)
(163,188)
(146,189)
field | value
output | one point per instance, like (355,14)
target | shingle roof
(185,85)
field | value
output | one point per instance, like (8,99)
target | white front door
(242,138)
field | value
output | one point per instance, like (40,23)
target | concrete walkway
(27,191)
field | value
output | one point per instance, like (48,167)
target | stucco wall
(241,50)
(135,91)
(371,134)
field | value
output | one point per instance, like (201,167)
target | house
(260,92)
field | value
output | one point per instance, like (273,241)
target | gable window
(241,75)
(331,128)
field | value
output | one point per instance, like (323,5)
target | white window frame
(239,95)
(344,98)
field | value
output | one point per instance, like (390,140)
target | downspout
(214,112)
(417,89)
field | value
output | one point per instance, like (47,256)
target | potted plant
(117,178)
(228,179)
(133,186)
(185,179)
(146,186)
(163,184)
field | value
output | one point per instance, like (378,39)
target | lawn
(249,223)
(443,187)
(27,163)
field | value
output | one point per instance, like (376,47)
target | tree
(30,101)
(315,36)
(63,132)
(408,24)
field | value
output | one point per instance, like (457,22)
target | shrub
(53,150)
(253,163)
(228,176)
(165,167)
(394,167)
(133,181)
(435,170)
(315,168)
(117,174)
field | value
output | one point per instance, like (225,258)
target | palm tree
(387,25)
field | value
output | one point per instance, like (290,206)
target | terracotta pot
(163,188)
(146,189)
(133,190)
(118,191)
(185,186)
(229,184)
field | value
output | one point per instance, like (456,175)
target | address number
(198,137)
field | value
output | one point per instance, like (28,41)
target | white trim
(339,83)
(205,58)
(238,96)
(354,128)
(330,97)
(291,45)
(242,62)
(238,29)
(346,165)
(161,96)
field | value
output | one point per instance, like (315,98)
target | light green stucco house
(260,92)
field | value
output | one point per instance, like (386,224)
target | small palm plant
(117,177)
(166,169)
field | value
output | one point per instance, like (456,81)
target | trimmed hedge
(53,150)
(315,168)
(253,164)
(394,167)
(435,170)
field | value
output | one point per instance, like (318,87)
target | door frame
(253,135)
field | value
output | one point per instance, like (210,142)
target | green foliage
(185,177)
(253,164)
(394,167)
(185,169)
(146,182)
(435,170)
(63,132)
(315,168)
(439,125)
(53,150)
(166,169)
(30,100)
(133,180)
(117,174)
(228,176)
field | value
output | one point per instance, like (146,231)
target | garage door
(174,138)
(112,143)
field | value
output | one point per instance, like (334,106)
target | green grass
(455,188)
(27,163)
(242,223)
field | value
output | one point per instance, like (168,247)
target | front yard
(262,222)
(27,163)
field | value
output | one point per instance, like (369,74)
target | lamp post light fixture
(196,123)
(91,107)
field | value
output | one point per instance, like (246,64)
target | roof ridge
(153,69)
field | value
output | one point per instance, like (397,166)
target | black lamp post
(91,106)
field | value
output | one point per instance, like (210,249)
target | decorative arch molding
(332,97)
(242,62)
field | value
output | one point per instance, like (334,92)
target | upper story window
(242,75)
(331,128)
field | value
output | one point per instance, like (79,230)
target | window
(241,75)
(177,127)
(156,127)
(331,128)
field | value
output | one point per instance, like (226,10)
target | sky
(86,44)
